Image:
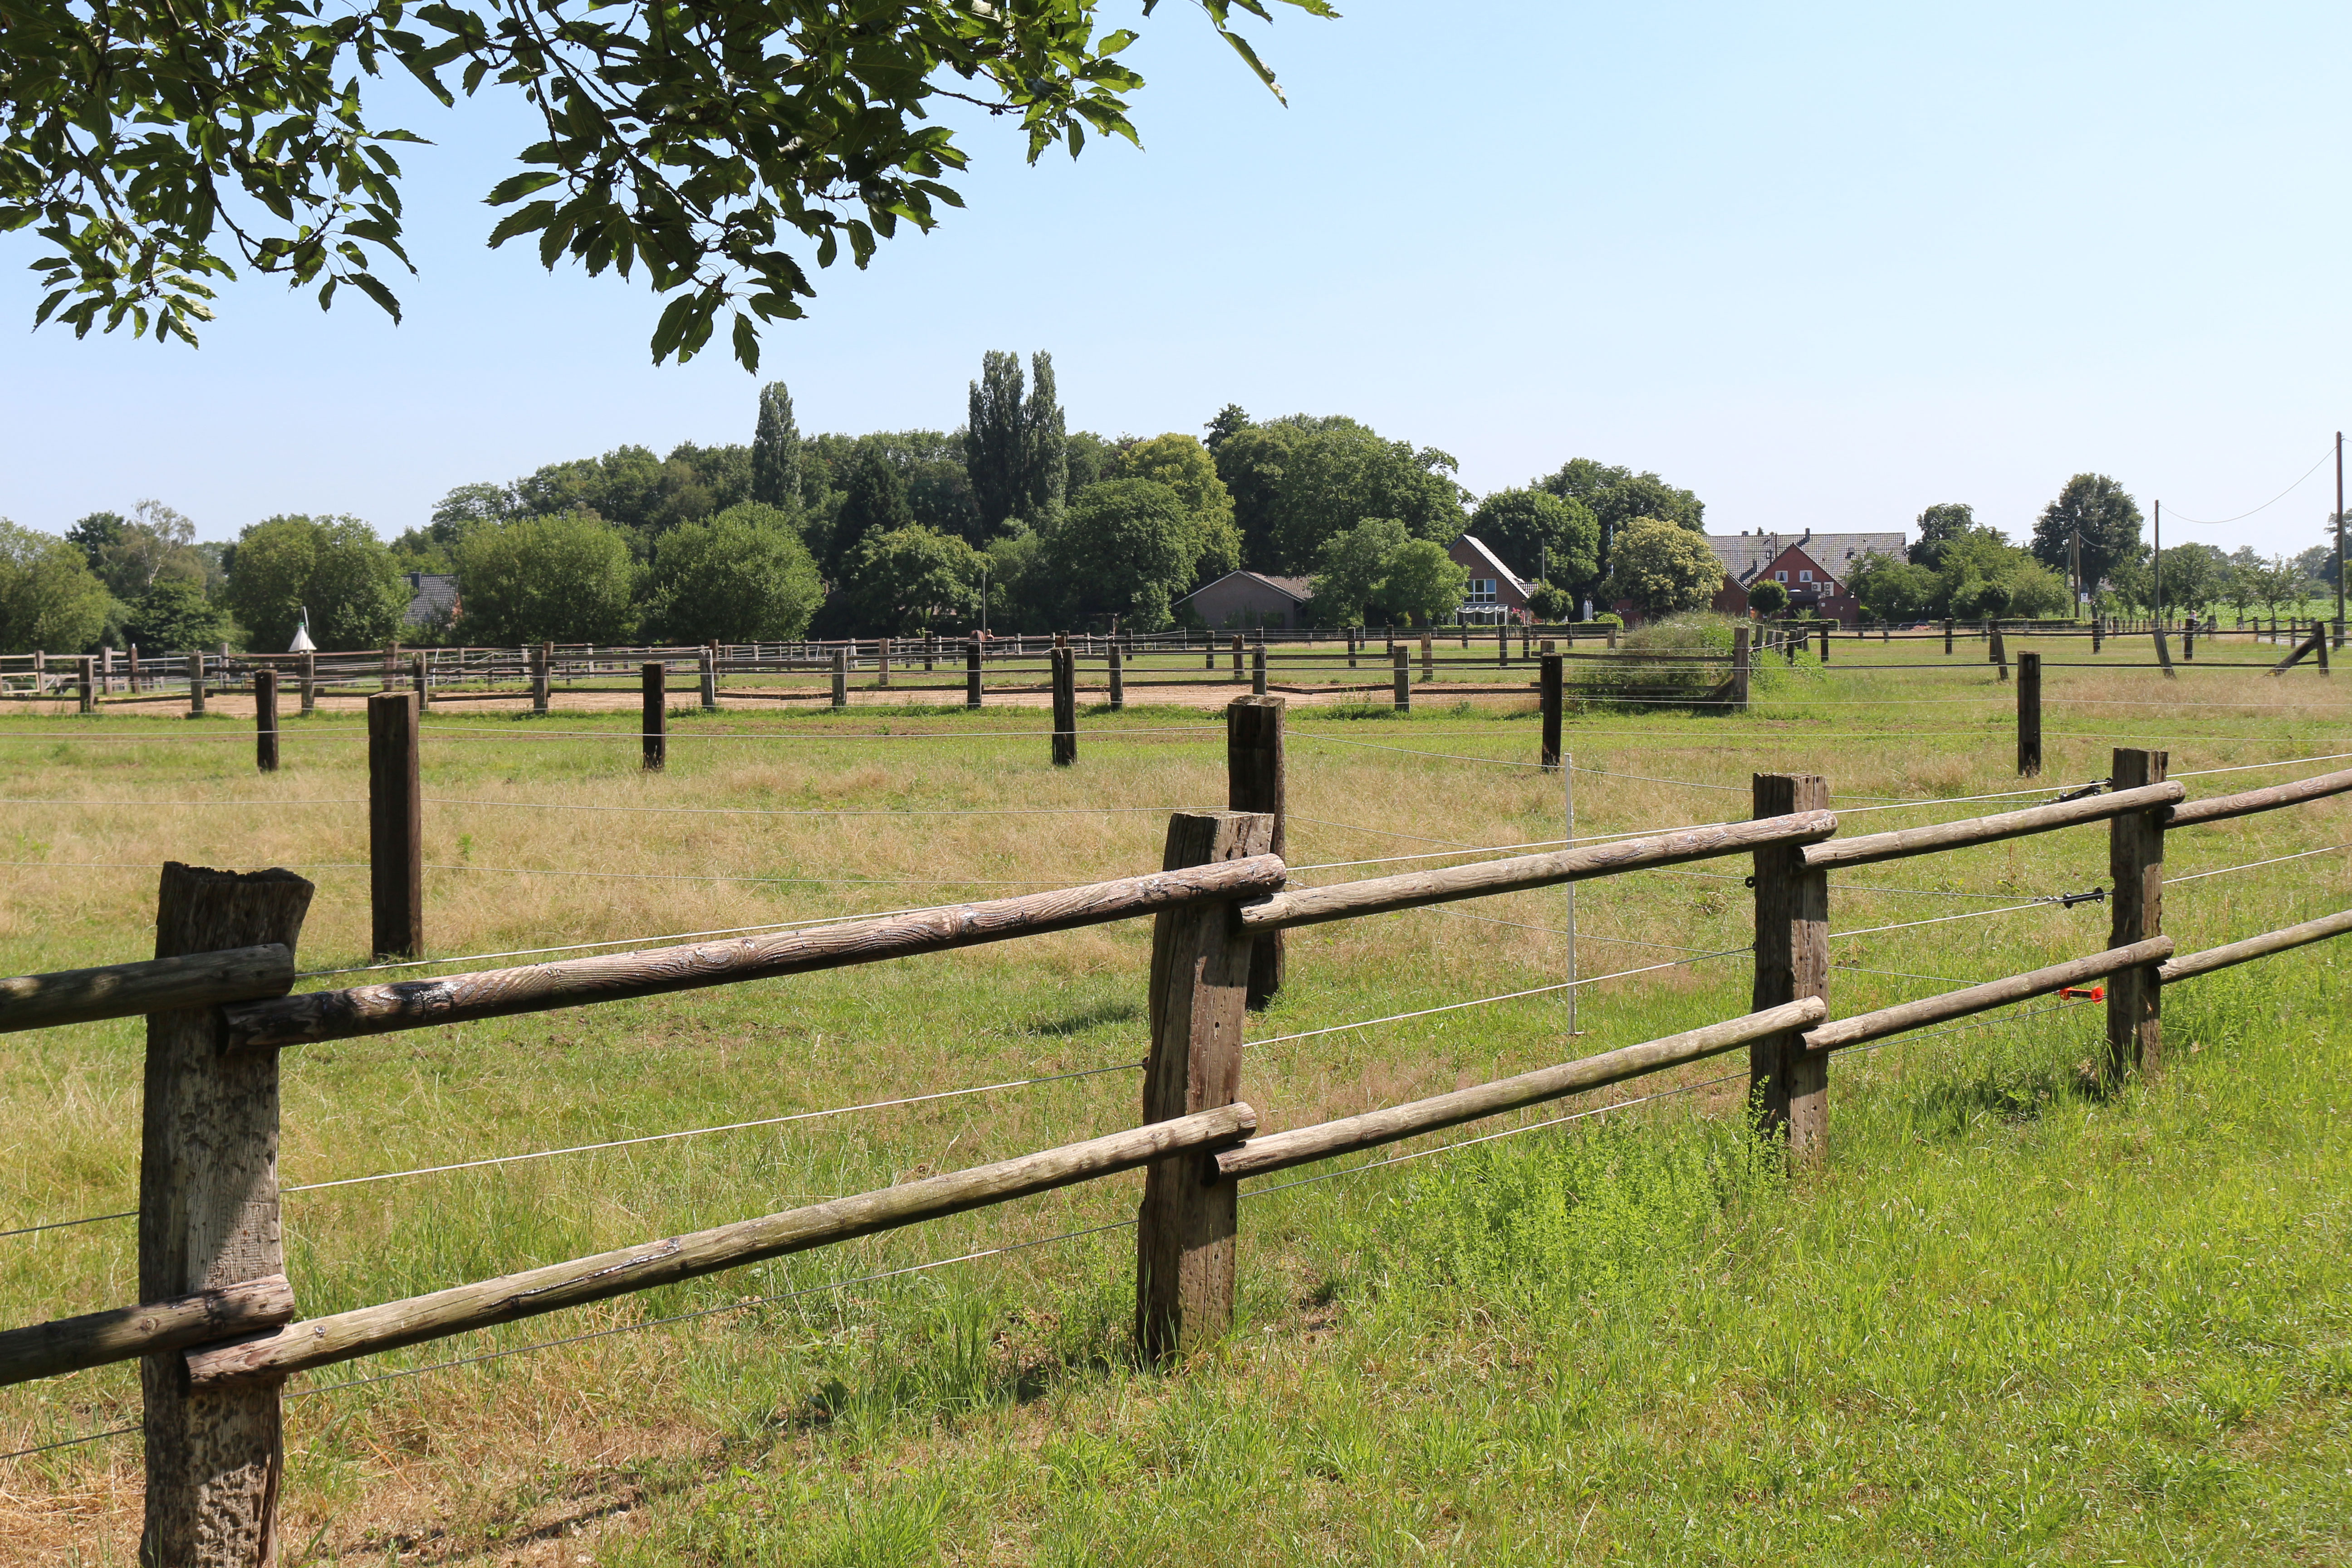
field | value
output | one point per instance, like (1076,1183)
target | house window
(1482,590)
(1804,576)
(1780,576)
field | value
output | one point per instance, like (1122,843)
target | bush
(546,579)
(1637,678)
(741,576)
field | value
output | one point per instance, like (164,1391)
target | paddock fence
(218,1325)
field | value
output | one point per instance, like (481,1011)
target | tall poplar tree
(776,449)
(1044,447)
(1016,447)
(876,502)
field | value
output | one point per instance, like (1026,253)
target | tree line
(1013,520)
(2090,535)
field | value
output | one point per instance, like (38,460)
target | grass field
(2012,1319)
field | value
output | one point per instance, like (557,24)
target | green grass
(2011,1320)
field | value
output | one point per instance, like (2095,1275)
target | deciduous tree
(1535,533)
(2105,516)
(715,144)
(741,576)
(1015,449)
(776,449)
(1298,480)
(571,578)
(334,567)
(1663,566)
(907,581)
(1186,467)
(50,598)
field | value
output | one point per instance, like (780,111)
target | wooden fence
(218,1322)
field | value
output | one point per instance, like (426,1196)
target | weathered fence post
(1788,1085)
(882,661)
(2188,641)
(971,673)
(710,678)
(1739,667)
(841,677)
(2029,715)
(2164,653)
(1257,671)
(1612,636)
(1503,645)
(2098,632)
(1118,679)
(654,679)
(1948,636)
(2135,878)
(1200,978)
(1237,656)
(1428,657)
(1253,783)
(1402,700)
(1998,650)
(1548,688)
(265,719)
(420,676)
(1351,648)
(1065,706)
(309,684)
(542,674)
(1825,642)
(85,688)
(196,684)
(208,1218)
(396,827)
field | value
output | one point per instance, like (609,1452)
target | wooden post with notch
(309,684)
(196,684)
(1825,642)
(1739,667)
(1255,782)
(971,673)
(2029,715)
(207,1218)
(1548,686)
(542,673)
(396,827)
(85,686)
(421,677)
(1998,650)
(653,679)
(1200,978)
(1065,706)
(1948,636)
(265,719)
(1402,700)
(1118,677)
(841,677)
(1789,1086)
(710,678)
(1257,671)
(2136,883)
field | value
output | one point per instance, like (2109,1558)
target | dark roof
(432,595)
(1298,588)
(1745,554)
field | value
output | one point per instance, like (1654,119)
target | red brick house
(1496,592)
(1814,567)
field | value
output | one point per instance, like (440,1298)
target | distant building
(1496,592)
(432,599)
(1239,601)
(1816,568)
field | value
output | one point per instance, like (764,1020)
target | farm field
(2013,1319)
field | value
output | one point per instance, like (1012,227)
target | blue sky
(1825,265)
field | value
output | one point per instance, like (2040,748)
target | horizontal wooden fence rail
(1984,998)
(151,985)
(1410,890)
(1305,1146)
(610,977)
(121,1334)
(2221,807)
(1934,839)
(2189,966)
(320,1341)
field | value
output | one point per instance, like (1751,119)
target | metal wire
(1490,1137)
(67,1223)
(758,811)
(1483,1001)
(728,1127)
(1939,920)
(713,1311)
(71,1442)
(2225,870)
